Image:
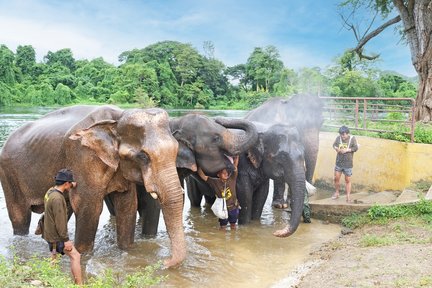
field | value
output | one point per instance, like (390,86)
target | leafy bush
(423,133)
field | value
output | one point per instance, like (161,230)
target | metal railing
(364,113)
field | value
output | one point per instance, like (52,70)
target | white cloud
(48,36)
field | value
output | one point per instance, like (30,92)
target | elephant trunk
(236,143)
(311,136)
(172,208)
(296,182)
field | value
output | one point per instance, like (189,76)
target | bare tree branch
(359,48)
(370,24)
(350,26)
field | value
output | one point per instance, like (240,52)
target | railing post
(364,113)
(356,112)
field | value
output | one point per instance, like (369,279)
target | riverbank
(392,254)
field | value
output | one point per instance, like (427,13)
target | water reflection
(249,255)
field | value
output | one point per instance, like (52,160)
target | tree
(7,74)
(25,59)
(416,18)
(263,68)
(63,57)
(311,81)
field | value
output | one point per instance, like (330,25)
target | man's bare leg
(75,262)
(348,188)
(336,179)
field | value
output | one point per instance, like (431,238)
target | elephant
(109,150)
(305,113)
(203,142)
(277,154)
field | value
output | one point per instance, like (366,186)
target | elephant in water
(305,113)
(109,150)
(203,142)
(277,154)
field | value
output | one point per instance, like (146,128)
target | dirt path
(397,254)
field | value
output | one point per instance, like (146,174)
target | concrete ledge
(333,210)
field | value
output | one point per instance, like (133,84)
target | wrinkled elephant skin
(203,142)
(110,150)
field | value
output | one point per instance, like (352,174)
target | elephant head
(206,142)
(279,155)
(138,148)
(304,111)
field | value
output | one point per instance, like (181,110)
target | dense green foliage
(40,272)
(171,74)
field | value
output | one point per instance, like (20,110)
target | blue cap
(64,175)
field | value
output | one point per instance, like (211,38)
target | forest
(171,74)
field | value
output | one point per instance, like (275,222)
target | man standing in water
(345,145)
(225,187)
(55,230)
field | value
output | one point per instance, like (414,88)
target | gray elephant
(109,150)
(203,142)
(305,113)
(277,154)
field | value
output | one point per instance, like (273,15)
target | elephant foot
(279,205)
(283,232)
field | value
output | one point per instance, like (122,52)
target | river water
(249,256)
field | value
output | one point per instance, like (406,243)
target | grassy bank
(39,271)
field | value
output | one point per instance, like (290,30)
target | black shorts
(57,247)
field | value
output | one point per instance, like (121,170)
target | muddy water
(247,256)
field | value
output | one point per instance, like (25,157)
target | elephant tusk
(154,195)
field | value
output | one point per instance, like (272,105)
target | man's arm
(236,160)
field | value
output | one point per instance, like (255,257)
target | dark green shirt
(345,160)
(56,217)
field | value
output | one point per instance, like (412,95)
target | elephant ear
(102,138)
(185,158)
(255,153)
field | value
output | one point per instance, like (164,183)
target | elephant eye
(142,157)
(216,139)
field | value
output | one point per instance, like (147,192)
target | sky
(307,33)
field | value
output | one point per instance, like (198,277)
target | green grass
(374,240)
(379,214)
(39,271)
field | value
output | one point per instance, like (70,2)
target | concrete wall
(379,164)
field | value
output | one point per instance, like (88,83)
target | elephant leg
(278,194)
(87,213)
(20,216)
(193,192)
(149,210)
(109,202)
(209,199)
(259,199)
(125,205)
(244,196)
(18,209)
